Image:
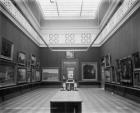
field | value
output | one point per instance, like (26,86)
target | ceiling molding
(122,14)
(58,50)
(109,12)
(18,19)
(30,12)
(76,46)
(7,14)
(121,22)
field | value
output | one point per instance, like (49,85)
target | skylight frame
(69,8)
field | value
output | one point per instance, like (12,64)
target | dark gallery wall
(125,41)
(54,59)
(21,42)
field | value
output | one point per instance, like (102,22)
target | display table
(66,102)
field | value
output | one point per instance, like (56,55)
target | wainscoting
(128,92)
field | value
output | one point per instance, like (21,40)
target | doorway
(70,69)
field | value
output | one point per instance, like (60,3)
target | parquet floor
(95,100)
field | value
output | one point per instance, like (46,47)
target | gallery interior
(69,56)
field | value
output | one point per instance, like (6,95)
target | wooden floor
(95,100)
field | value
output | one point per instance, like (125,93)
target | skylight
(69,8)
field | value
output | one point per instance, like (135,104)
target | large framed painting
(136,60)
(7,49)
(50,74)
(7,75)
(127,71)
(89,71)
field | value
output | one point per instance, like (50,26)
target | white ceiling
(69,8)
(69,33)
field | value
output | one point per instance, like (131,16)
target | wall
(54,59)
(21,42)
(125,41)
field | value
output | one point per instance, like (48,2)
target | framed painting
(118,71)
(107,73)
(21,57)
(127,70)
(136,60)
(113,74)
(7,49)
(29,76)
(89,71)
(38,75)
(33,60)
(7,75)
(21,75)
(50,74)
(107,60)
(136,79)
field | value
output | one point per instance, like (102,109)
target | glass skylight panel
(66,8)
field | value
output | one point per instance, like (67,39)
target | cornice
(8,8)
(109,12)
(32,15)
(17,24)
(125,11)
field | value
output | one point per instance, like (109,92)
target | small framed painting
(38,75)
(89,71)
(33,60)
(107,73)
(107,60)
(21,58)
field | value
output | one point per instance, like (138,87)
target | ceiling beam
(57,8)
(81,8)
